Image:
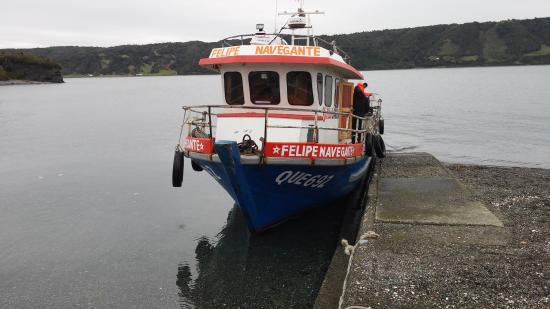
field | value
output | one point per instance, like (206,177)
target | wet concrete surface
(434,200)
(457,266)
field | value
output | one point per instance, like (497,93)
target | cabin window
(264,87)
(299,88)
(336,91)
(328,90)
(320,88)
(233,84)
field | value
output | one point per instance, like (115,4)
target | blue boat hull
(268,194)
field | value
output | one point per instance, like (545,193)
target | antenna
(276,11)
(301,10)
(300,18)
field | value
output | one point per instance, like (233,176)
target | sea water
(89,217)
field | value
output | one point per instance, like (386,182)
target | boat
(286,139)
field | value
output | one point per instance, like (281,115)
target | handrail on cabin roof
(331,46)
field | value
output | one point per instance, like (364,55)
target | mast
(300,20)
(276,11)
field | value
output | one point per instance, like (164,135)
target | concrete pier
(427,240)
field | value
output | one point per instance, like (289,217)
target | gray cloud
(38,23)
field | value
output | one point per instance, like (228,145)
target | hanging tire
(177,170)
(369,151)
(196,167)
(379,146)
(381,126)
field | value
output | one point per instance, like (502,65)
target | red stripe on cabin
(273,115)
(282,59)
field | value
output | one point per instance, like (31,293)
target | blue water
(89,217)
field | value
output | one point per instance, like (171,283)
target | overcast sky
(41,23)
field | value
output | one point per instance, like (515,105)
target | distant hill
(511,42)
(28,67)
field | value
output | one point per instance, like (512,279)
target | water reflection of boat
(280,269)
(288,138)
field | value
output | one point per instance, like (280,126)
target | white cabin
(302,86)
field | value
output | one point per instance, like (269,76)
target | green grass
(543,51)
(105,63)
(166,72)
(27,58)
(3,74)
(448,49)
(470,58)
(494,48)
(73,75)
(146,69)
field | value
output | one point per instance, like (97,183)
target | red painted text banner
(202,145)
(313,150)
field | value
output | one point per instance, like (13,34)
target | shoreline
(486,166)
(361,70)
(13,82)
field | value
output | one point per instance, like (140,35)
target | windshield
(264,87)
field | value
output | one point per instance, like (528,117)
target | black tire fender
(379,146)
(177,169)
(369,145)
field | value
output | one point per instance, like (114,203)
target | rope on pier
(349,249)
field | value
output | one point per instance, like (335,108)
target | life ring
(381,126)
(177,170)
(379,146)
(196,167)
(369,145)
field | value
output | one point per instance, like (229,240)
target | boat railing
(376,105)
(199,121)
(310,40)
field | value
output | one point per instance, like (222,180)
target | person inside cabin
(359,107)
(368,94)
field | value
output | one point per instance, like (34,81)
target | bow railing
(201,121)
